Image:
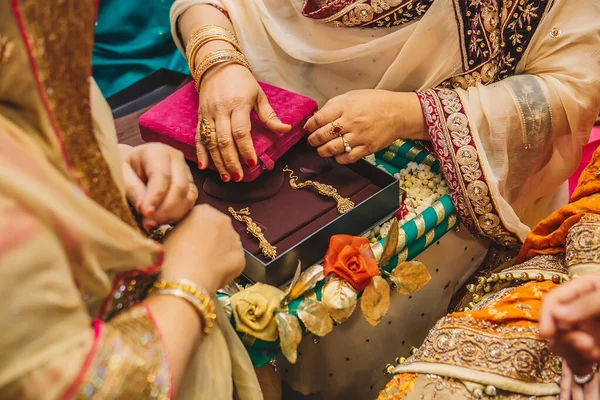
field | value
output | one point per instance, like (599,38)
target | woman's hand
(204,248)
(228,94)
(158,183)
(569,390)
(369,121)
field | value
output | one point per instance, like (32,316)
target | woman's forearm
(180,328)
(199,16)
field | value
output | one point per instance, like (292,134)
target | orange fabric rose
(352,259)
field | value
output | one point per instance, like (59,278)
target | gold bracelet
(268,250)
(205,35)
(218,57)
(189,291)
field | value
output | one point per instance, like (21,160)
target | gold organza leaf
(375,300)
(307,281)
(286,298)
(339,297)
(315,317)
(410,276)
(391,242)
(290,335)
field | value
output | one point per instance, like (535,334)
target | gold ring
(203,133)
(347,147)
(336,129)
(193,187)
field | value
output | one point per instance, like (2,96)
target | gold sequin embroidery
(61,37)
(583,241)
(129,363)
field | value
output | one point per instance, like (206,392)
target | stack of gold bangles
(193,294)
(208,34)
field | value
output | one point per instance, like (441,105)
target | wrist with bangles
(208,34)
(187,290)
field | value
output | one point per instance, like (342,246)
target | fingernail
(200,165)
(236,177)
(251,162)
(225,177)
(149,225)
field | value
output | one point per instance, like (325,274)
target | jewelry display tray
(379,201)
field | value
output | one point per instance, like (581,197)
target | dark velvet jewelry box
(299,222)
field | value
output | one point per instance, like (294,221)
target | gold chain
(243,216)
(343,204)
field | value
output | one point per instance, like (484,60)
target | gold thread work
(243,216)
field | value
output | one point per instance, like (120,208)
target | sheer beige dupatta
(61,184)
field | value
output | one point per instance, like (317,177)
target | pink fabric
(173,121)
(586,157)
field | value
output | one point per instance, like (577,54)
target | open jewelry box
(299,222)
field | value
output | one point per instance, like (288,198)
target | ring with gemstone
(347,147)
(336,129)
(584,380)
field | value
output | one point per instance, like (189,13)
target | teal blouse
(133,39)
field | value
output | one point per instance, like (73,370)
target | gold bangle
(218,57)
(189,291)
(205,35)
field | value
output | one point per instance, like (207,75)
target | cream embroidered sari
(72,261)
(510,91)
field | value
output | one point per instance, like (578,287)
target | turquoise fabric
(133,40)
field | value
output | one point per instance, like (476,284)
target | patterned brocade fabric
(460,161)
(129,361)
(583,241)
(366,13)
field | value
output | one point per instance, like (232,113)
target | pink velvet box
(173,121)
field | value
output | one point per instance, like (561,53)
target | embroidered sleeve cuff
(461,164)
(583,242)
(127,361)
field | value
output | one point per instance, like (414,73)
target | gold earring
(343,204)
(243,216)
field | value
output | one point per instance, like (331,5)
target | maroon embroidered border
(366,13)
(451,137)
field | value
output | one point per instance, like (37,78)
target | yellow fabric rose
(253,310)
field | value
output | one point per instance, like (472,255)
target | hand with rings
(358,123)
(570,319)
(158,183)
(228,94)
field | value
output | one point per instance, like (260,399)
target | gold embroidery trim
(130,361)
(64,78)
(583,241)
(382,13)
(512,352)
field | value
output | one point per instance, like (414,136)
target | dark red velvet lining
(289,216)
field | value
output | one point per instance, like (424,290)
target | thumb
(135,190)
(268,116)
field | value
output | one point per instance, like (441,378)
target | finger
(566,382)
(553,300)
(215,154)
(326,134)
(176,203)
(355,155)
(587,306)
(134,187)
(332,148)
(326,115)
(268,116)
(591,391)
(157,165)
(583,345)
(240,125)
(227,147)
